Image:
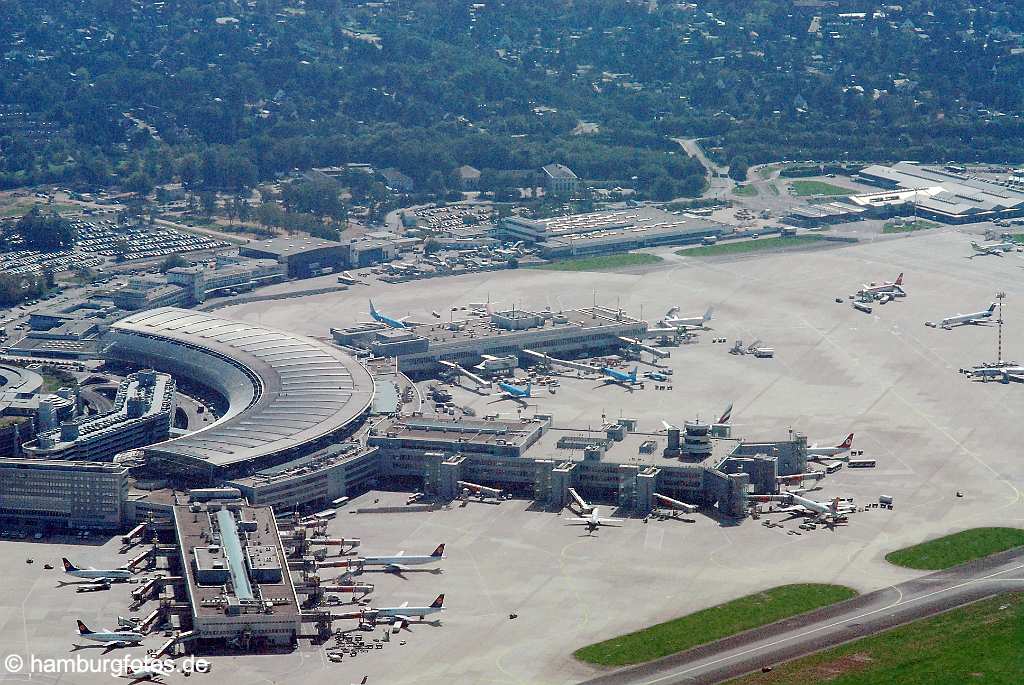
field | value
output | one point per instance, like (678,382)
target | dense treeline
(221,95)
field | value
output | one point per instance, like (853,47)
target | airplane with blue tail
(516,392)
(387,320)
(619,376)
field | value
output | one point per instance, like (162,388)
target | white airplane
(401,561)
(994,249)
(405,612)
(113,637)
(146,673)
(96,573)
(873,289)
(996,372)
(961,319)
(671,320)
(808,507)
(593,521)
(816,451)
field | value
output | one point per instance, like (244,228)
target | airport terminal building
(287,396)
(571,334)
(236,574)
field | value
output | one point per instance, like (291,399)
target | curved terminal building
(286,395)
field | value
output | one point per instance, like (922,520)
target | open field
(978,643)
(957,548)
(745,191)
(885,376)
(746,246)
(601,263)
(712,624)
(908,227)
(807,188)
(21,206)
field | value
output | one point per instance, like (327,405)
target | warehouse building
(302,256)
(608,231)
(939,194)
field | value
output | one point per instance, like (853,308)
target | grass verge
(601,263)
(745,191)
(743,246)
(909,227)
(979,643)
(712,624)
(805,188)
(957,548)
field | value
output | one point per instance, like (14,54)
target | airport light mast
(1001,295)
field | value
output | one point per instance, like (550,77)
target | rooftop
(292,245)
(303,389)
(210,541)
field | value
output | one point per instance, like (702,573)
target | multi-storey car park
(142,414)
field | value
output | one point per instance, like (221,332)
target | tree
(431,245)
(139,183)
(738,169)
(45,232)
(270,215)
(208,199)
(188,170)
(172,261)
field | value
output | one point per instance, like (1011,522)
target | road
(830,626)
(718,187)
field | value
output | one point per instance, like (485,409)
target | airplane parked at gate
(815,451)
(593,521)
(963,319)
(516,392)
(671,320)
(117,638)
(135,675)
(96,573)
(387,320)
(616,376)
(405,612)
(401,561)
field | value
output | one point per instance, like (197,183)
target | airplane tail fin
(726,415)
(991,307)
(848,443)
(899,279)
(439,552)
(632,375)
(373,310)
(438,603)
(529,389)
(68,566)
(711,311)
(83,629)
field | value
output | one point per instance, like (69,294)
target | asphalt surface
(830,626)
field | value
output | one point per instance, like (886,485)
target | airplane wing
(397,567)
(578,520)
(602,520)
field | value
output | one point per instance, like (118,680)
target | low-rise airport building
(571,334)
(236,574)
